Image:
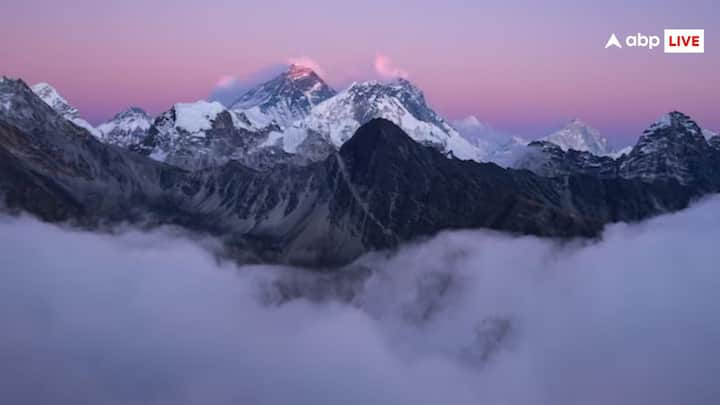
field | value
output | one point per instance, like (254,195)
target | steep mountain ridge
(53,98)
(672,148)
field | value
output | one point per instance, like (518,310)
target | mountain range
(298,118)
(361,170)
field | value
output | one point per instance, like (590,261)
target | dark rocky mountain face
(412,190)
(380,189)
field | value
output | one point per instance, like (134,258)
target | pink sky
(523,66)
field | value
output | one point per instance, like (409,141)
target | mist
(465,317)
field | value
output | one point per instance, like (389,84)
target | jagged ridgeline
(379,187)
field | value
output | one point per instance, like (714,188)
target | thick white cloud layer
(467,317)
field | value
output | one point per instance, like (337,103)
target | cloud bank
(464,318)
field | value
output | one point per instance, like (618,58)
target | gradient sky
(523,66)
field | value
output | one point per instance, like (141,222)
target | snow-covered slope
(620,152)
(196,118)
(127,128)
(709,134)
(337,119)
(285,99)
(51,97)
(577,135)
(183,125)
(198,135)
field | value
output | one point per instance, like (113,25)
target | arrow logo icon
(613,41)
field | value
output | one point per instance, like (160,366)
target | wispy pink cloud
(226,81)
(308,63)
(385,68)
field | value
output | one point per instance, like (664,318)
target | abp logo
(684,41)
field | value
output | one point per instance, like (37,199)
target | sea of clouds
(466,317)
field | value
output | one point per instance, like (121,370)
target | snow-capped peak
(666,120)
(131,112)
(677,120)
(579,136)
(337,118)
(671,128)
(52,97)
(285,99)
(127,128)
(399,102)
(667,149)
(296,71)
